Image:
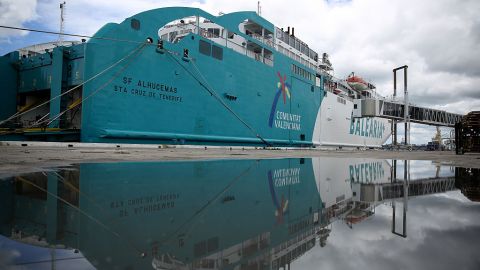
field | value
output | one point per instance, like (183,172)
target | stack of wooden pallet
(467,133)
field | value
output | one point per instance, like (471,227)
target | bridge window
(205,47)
(213,32)
(217,52)
(303,73)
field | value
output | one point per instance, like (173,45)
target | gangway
(419,187)
(399,111)
(383,192)
(391,109)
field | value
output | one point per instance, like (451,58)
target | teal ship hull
(135,87)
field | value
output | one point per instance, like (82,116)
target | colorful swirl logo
(281,206)
(282,88)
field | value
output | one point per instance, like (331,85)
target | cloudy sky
(442,233)
(438,39)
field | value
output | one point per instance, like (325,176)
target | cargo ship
(183,76)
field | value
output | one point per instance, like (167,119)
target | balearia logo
(367,127)
(367,172)
(281,178)
(279,119)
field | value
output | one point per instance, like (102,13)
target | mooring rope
(67,34)
(17,114)
(212,92)
(49,121)
(101,87)
(130,243)
(203,208)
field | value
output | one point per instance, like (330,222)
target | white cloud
(15,13)
(430,228)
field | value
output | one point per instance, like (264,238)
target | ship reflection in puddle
(224,214)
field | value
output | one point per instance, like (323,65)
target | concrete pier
(22,157)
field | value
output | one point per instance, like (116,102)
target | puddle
(301,213)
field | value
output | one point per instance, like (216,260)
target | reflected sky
(443,233)
(15,255)
(328,213)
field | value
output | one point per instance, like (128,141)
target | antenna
(259,9)
(62,23)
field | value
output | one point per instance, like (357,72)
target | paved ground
(15,158)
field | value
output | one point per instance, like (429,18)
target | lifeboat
(357,83)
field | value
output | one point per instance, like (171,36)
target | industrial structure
(467,133)
(403,111)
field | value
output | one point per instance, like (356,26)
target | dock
(25,157)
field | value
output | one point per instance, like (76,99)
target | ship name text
(144,205)
(367,172)
(148,89)
(286,177)
(286,120)
(367,127)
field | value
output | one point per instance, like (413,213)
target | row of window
(341,100)
(210,50)
(297,44)
(214,31)
(295,56)
(218,33)
(170,37)
(303,73)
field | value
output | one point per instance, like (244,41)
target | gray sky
(438,39)
(442,233)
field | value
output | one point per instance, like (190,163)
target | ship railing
(239,48)
(341,94)
(295,54)
(268,61)
(270,43)
(267,41)
(258,57)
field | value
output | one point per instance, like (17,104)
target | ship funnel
(288,30)
(293,31)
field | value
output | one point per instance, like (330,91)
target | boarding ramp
(396,190)
(418,187)
(390,109)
